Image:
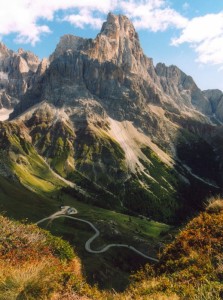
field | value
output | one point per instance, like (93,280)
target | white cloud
(23,16)
(84,18)
(27,18)
(154,15)
(205,35)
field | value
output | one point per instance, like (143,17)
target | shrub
(33,263)
(214,205)
(34,280)
(60,248)
(191,267)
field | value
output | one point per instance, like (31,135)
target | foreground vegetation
(36,265)
(192,266)
(33,263)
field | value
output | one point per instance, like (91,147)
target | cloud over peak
(28,20)
(23,17)
(154,15)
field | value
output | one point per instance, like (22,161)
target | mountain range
(98,120)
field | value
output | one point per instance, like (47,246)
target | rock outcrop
(7,101)
(215,98)
(67,42)
(182,89)
(17,70)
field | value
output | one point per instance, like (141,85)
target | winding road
(67,211)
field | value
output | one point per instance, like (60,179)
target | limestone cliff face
(215,98)
(110,69)
(67,42)
(7,101)
(182,89)
(113,69)
(118,43)
(17,70)
(4,51)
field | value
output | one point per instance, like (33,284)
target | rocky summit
(100,121)
(16,74)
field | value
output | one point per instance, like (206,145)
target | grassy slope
(33,171)
(191,267)
(36,265)
(20,158)
(92,157)
(157,197)
(20,203)
(92,154)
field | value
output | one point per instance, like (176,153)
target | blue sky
(186,33)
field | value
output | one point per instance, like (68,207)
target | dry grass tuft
(34,264)
(29,281)
(215,205)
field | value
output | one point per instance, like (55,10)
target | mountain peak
(118,43)
(4,51)
(67,42)
(118,25)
